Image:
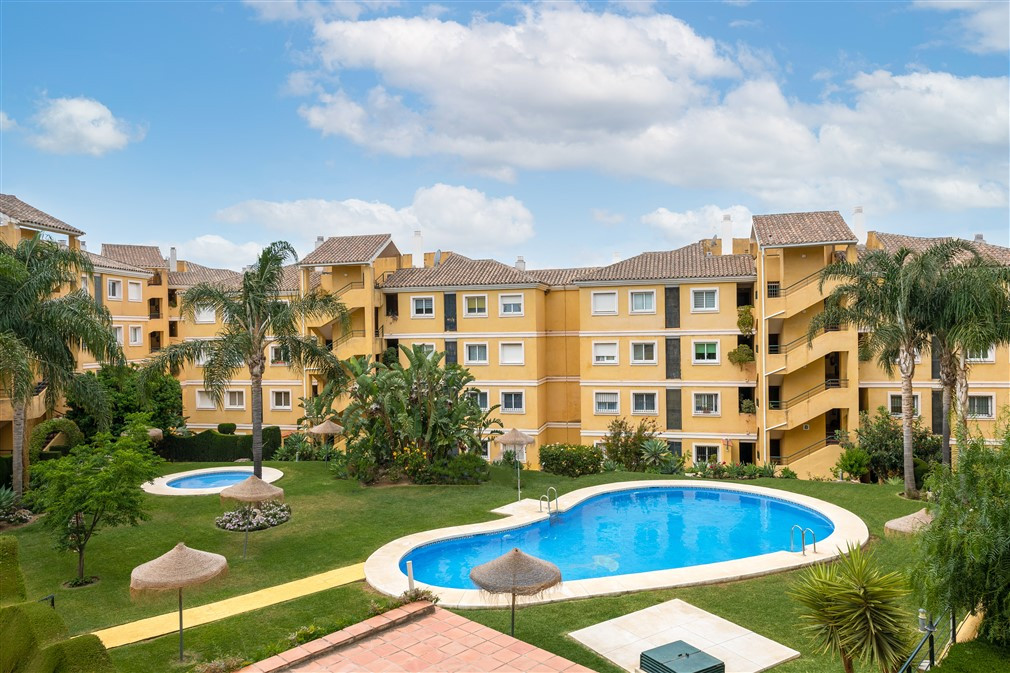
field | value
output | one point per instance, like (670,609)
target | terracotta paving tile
(396,613)
(504,655)
(438,641)
(420,650)
(488,633)
(453,619)
(471,627)
(435,656)
(455,632)
(294,654)
(559,663)
(401,657)
(384,649)
(452,649)
(337,638)
(361,657)
(357,629)
(271,663)
(415,665)
(402,640)
(540,655)
(486,648)
(471,656)
(327,659)
(316,645)
(520,647)
(470,640)
(503,639)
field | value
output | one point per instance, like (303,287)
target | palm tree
(254,316)
(888,296)
(854,611)
(42,333)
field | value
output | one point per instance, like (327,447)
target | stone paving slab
(908,525)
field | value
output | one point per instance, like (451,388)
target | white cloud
(80,126)
(296,10)
(450,217)
(689,226)
(604,216)
(746,23)
(983,25)
(7,123)
(216,251)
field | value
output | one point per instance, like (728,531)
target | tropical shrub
(6,470)
(673,465)
(767,471)
(463,468)
(853,463)
(12,582)
(161,398)
(571,460)
(787,473)
(745,319)
(655,452)
(623,443)
(44,430)
(255,517)
(741,355)
(212,446)
(11,510)
(880,436)
(298,447)
(611,466)
(508,459)
(226,428)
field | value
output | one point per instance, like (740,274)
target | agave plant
(655,453)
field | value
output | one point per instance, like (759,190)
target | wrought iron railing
(347,336)
(807,394)
(779,349)
(805,451)
(775,289)
(938,635)
(356,285)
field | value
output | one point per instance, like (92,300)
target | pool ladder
(547,498)
(803,538)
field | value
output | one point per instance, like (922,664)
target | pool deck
(383,572)
(160,485)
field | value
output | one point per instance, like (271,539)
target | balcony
(35,409)
(795,297)
(798,353)
(831,394)
(804,452)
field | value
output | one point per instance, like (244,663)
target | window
(202,359)
(475,354)
(478,396)
(706,404)
(704,300)
(422,307)
(475,305)
(894,404)
(605,353)
(706,453)
(427,349)
(485,449)
(234,399)
(204,400)
(278,355)
(114,289)
(510,304)
(84,284)
(135,291)
(976,355)
(280,399)
(511,354)
(512,403)
(604,303)
(118,331)
(643,403)
(136,335)
(608,403)
(980,406)
(643,352)
(205,314)
(706,352)
(642,301)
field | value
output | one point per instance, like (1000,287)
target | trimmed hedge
(210,446)
(6,470)
(271,440)
(83,654)
(42,431)
(25,629)
(463,468)
(12,582)
(226,428)
(571,460)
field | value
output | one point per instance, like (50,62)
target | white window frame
(606,363)
(718,352)
(202,359)
(113,283)
(430,346)
(992,406)
(631,302)
(696,290)
(718,404)
(466,309)
(503,409)
(227,398)
(85,284)
(596,403)
(130,285)
(277,362)
(655,353)
(273,400)
(501,358)
(990,356)
(207,405)
(916,404)
(120,334)
(694,452)
(200,315)
(477,392)
(502,302)
(466,353)
(140,331)
(592,303)
(413,306)
(655,399)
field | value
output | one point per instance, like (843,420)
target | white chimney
(727,234)
(520,263)
(173,262)
(319,241)
(859,223)
(979,238)
(418,249)
(84,246)
(615,258)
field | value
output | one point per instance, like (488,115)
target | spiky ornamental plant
(888,297)
(854,611)
(253,317)
(42,332)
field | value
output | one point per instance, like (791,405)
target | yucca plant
(655,453)
(854,611)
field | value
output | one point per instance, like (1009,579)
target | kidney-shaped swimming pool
(630,531)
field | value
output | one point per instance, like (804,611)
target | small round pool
(206,481)
(210,479)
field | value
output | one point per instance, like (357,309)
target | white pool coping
(382,569)
(160,485)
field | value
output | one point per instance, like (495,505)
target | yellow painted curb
(152,627)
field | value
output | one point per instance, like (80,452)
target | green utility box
(679,657)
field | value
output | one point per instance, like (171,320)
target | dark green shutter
(392,304)
(450,312)
(99,283)
(934,359)
(674,416)
(673,357)
(937,412)
(676,447)
(450,353)
(672,297)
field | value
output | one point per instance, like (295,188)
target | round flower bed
(266,515)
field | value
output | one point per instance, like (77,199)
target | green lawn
(974,657)
(336,523)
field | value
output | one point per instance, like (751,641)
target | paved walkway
(152,627)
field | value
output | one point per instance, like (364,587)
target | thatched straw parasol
(327,427)
(518,574)
(181,567)
(517,440)
(155,434)
(253,490)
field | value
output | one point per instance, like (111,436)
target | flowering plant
(266,515)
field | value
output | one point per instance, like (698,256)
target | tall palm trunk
(256,376)
(961,390)
(906,365)
(20,464)
(948,379)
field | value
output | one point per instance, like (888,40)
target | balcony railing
(807,394)
(778,349)
(775,288)
(356,285)
(347,336)
(805,451)
(154,315)
(382,278)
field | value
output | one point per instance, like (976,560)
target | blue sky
(567,133)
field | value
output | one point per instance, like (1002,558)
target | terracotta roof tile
(348,249)
(292,279)
(197,273)
(691,261)
(894,242)
(146,256)
(101,262)
(460,271)
(799,228)
(15,208)
(560,277)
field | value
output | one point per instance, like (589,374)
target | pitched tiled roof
(101,262)
(291,282)
(146,256)
(826,226)
(559,277)
(15,208)
(460,271)
(691,261)
(894,242)
(197,273)
(348,249)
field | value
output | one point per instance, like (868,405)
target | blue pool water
(211,479)
(630,532)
